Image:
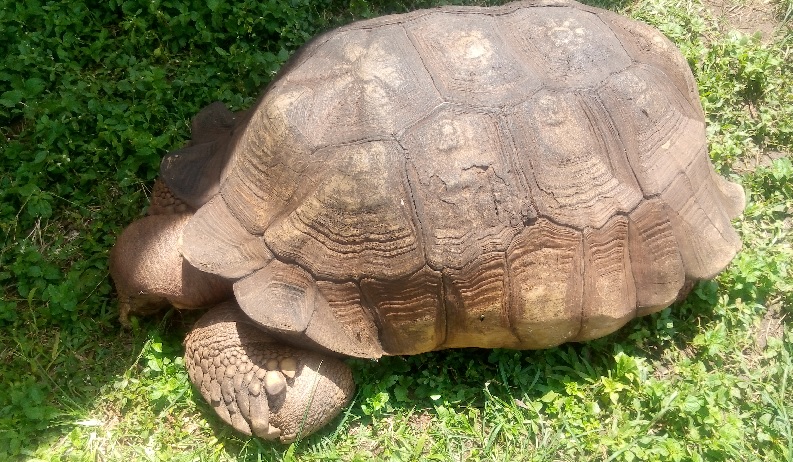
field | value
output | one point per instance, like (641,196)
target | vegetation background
(93,93)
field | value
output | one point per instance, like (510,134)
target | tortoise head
(150,273)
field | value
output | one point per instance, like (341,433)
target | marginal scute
(732,197)
(656,263)
(609,299)
(410,311)
(351,328)
(546,284)
(279,297)
(286,299)
(477,304)
(215,242)
(706,238)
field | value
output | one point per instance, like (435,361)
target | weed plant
(93,94)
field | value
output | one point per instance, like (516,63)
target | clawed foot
(261,387)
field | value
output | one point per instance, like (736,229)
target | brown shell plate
(517,176)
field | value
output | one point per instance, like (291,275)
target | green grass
(92,94)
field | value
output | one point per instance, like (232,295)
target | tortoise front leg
(259,386)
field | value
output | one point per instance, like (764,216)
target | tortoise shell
(515,177)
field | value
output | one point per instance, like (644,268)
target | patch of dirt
(420,422)
(770,326)
(747,16)
(760,159)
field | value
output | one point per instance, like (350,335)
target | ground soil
(747,16)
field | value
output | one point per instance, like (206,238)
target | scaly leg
(260,386)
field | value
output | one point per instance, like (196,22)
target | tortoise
(509,177)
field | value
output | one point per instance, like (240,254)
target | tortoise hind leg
(259,386)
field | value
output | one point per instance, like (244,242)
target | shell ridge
(412,39)
(618,136)
(416,213)
(599,15)
(524,184)
(582,271)
(699,188)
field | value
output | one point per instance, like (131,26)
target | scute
(359,84)
(656,264)
(468,197)
(409,311)
(609,299)
(470,61)
(228,249)
(359,221)
(477,304)
(572,48)
(273,165)
(572,159)
(659,129)
(648,46)
(546,272)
